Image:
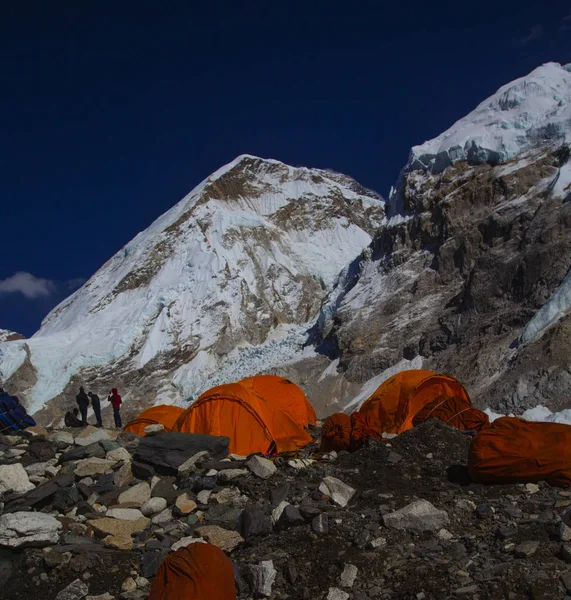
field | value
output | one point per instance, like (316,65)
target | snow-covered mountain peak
(249,256)
(525,113)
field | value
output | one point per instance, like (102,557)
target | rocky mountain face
(470,274)
(299,272)
(222,286)
(9,336)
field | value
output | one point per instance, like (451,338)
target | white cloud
(28,285)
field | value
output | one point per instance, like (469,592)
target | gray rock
(505,533)
(65,498)
(190,465)
(320,524)
(138,494)
(124,514)
(526,549)
(262,578)
(261,467)
(564,532)
(290,517)
(118,454)
(566,580)
(63,437)
(337,594)
(254,522)
(154,429)
(348,576)
(232,474)
(163,517)
(394,458)
(24,529)
(105,596)
(420,515)
(279,494)
(37,469)
(13,478)
(153,506)
(92,466)
(76,590)
(338,491)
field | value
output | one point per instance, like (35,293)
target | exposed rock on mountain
(222,286)
(9,336)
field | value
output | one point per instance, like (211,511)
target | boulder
(91,435)
(115,527)
(262,578)
(154,429)
(223,538)
(13,478)
(92,466)
(138,494)
(261,467)
(185,504)
(290,517)
(227,495)
(254,522)
(338,491)
(348,576)
(142,471)
(153,506)
(123,476)
(118,454)
(65,498)
(232,474)
(171,450)
(203,496)
(119,542)
(93,450)
(420,515)
(76,590)
(43,493)
(278,510)
(186,541)
(37,469)
(165,488)
(190,465)
(163,517)
(62,437)
(24,529)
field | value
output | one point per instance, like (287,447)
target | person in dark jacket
(83,403)
(96,407)
(116,402)
(71,419)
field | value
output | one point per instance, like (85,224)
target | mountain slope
(476,245)
(246,259)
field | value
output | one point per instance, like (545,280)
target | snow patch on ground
(539,414)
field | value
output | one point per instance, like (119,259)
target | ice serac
(222,286)
(469,275)
(523,114)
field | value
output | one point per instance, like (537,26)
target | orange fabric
(454,411)
(254,423)
(515,451)
(289,396)
(336,433)
(392,407)
(362,428)
(163,414)
(196,572)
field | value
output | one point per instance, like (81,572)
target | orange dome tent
(392,407)
(454,411)
(258,416)
(163,414)
(515,451)
(195,572)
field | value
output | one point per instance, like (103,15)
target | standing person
(83,403)
(96,407)
(116,402)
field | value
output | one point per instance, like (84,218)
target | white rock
(92,466)
(189,466)
(163,517)
(232,474)
(337,594)
(76,590)
(203,496)
(237,457)
(444,535)
(53,471)
(211,473)
(128,585)
(532,488)
(14,478)
(300,463)
(186,541)
(262,577)
(348,576)
(378,543)
(154,480)
(227,495)
(142,582)
(465,504)
(124,514)
(338,491)
(90,435)
(420,515)
(118,454)
(22,529)
(154,429)
(37,469)
(61,436)
(262,467)
(153,506)
(138,494)
(278,510)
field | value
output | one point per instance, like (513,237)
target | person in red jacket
(116,402)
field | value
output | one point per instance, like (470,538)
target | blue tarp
(13,415)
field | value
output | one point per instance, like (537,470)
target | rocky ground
(94,515)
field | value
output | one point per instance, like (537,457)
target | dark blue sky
(112,112)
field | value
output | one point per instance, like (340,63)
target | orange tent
(454,411)
(515,451)
(195,572)
(392,407)
(362,428)
(163,414)
(253,421)
(336,433)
